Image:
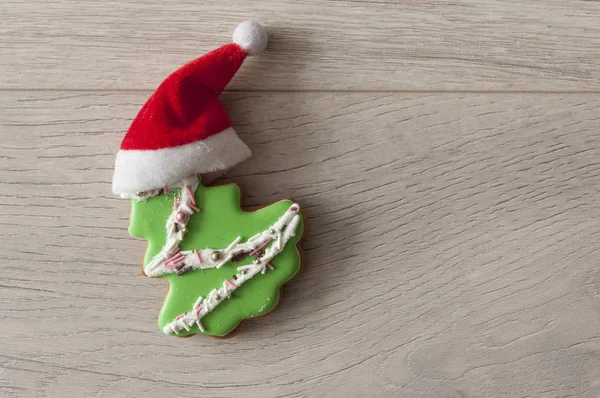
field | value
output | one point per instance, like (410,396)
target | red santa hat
(183,128)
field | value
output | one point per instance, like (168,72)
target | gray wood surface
(453,236)
(315,44)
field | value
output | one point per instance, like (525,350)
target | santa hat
(183,128)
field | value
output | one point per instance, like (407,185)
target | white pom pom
(251,36)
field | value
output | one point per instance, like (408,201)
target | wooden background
(446,153)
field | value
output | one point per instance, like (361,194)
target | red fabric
(185,108)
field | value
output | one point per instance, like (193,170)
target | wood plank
(315,45)
(452,250)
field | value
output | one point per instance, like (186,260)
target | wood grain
(452,250)
(315,45)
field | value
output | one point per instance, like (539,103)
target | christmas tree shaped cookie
(224,265)
(230,265)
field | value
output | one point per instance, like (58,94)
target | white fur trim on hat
(143,170)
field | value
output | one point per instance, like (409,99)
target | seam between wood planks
(341,91)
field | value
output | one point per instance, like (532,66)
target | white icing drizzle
(203,259)
(266,245)
(176,229)
(280,232)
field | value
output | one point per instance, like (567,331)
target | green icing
(219,222)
